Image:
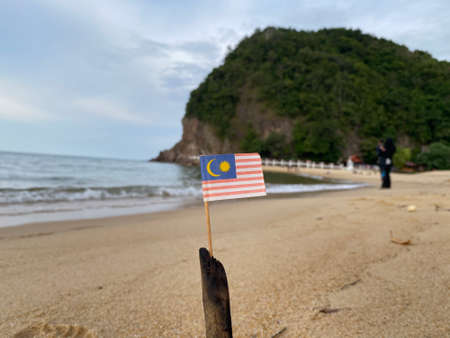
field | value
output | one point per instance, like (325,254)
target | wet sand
(317,266)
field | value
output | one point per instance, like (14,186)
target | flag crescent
(209,169)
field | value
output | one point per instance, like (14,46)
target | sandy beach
(318,265)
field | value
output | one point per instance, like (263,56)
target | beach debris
(399,241)
(351,284)
(411,208)
(328,310)
(100,287)
(437,207)
(279,333)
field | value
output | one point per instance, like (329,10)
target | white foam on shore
(298,188)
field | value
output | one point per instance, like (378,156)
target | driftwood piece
(399,241)
(328,310)
(280,333)
(350,284)
(216,299)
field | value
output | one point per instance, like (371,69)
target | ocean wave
(44,194)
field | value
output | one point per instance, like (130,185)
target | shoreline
(43,228)
(89,214)
(318,266)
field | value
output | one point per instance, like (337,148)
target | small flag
(229,176)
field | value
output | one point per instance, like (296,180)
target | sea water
(39,187)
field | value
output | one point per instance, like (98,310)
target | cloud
(13,110)
(168,67)
(112,110)
(20,103)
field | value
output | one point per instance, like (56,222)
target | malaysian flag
(228,176)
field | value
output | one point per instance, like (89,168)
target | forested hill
(318,95)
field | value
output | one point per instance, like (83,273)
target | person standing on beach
(385,153)
(381,159)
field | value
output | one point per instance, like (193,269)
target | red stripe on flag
(244,192)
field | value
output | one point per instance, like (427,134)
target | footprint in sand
(46,330)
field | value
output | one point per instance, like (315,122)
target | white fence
(317,165)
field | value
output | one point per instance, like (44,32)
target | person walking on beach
(385,152)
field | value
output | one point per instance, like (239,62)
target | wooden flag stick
(208,224)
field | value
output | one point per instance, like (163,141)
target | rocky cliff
(201,138)
(198,138)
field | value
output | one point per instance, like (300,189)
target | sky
(111,78)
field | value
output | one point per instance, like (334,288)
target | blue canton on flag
(218,167)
